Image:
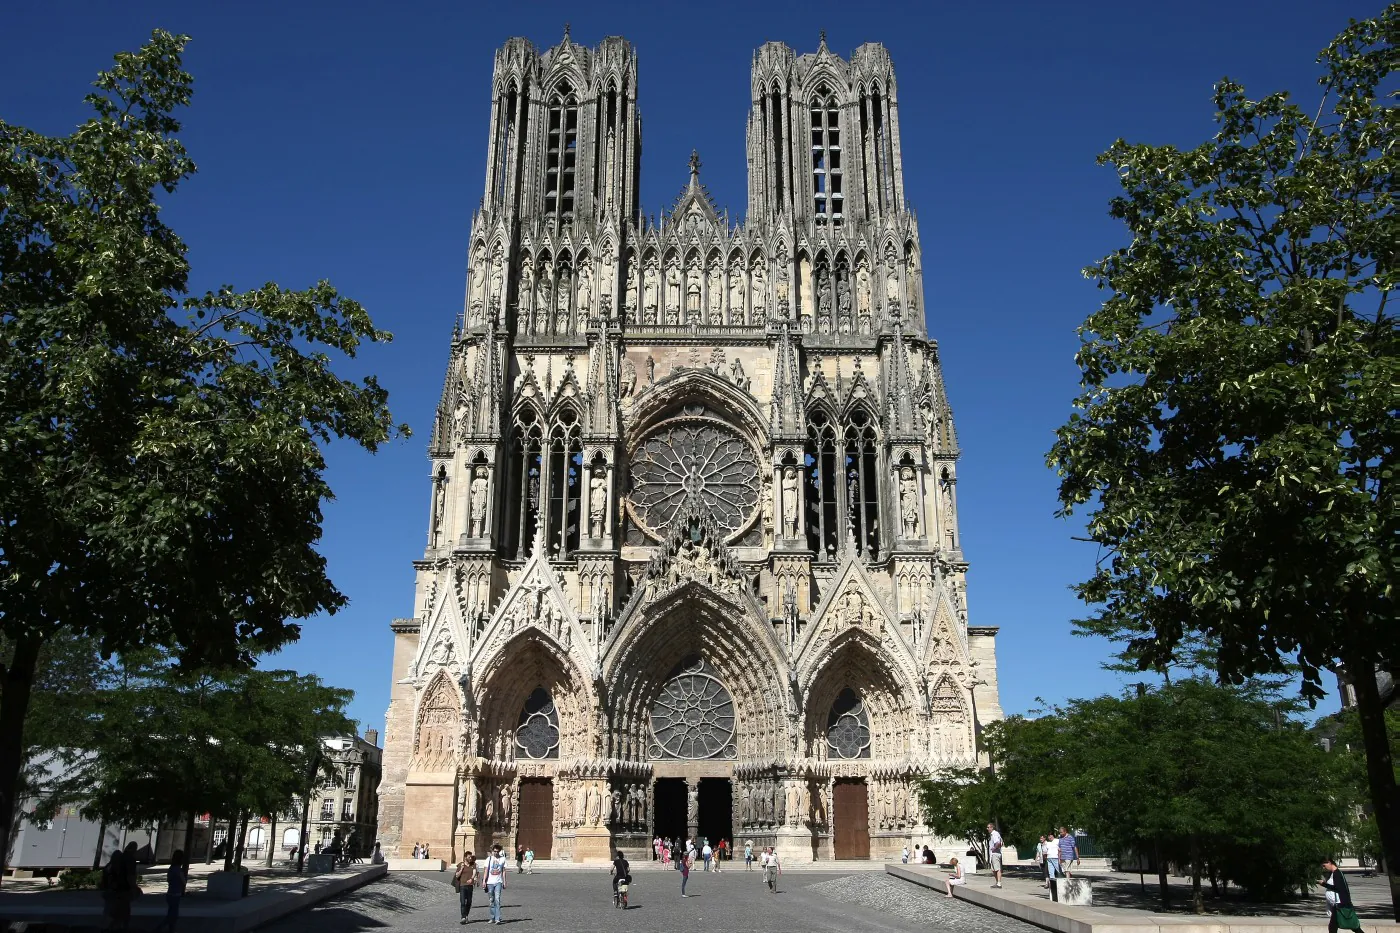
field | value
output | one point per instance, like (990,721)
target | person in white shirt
(496,880)
(994,847)
(955,878)
(772,868)
(904,856)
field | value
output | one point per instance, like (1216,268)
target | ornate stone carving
(695,460)
(693,717)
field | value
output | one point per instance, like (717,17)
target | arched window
(848,727)
(520,507)
(843,494)
(826,159)
(565,484)
(561,156)
(537,733)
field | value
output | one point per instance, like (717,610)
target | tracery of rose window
(698,459)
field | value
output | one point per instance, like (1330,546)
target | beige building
(693,559)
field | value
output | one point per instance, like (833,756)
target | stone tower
(693,562)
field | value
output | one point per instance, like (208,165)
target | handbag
(1347,918)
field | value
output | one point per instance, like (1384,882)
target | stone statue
(561,311)
(908,502)
(630,298)
(793,804)
(767,507)
(948,522)
(506,801)
(673,292)
(527,298)
(843,304)
(546,303)
(615,811)
(790,502)
(863,290)
(760,288)
(598,502)
(714,297)
(891,278)
(651,370)
(784,291)
(692,297)
(627,381)
(442,650)
(580,796)
(478,491)
(736,294)
(439,507)
(650,300)
(692,803)
(498,292)
(746,806)
(738,376)
(595,805)
(585,294)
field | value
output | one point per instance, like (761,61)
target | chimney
(372,737)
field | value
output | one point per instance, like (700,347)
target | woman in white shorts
(955,878)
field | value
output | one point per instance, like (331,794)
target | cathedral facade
(693,563)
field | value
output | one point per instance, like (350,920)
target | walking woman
(1341,911)
(684,863)
(464,880)
(176,877)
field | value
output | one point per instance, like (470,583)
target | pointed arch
(532,659)
(437,725)
(855,660)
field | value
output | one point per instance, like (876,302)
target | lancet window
(843,496)
(565,484)
(827,196)
(543,483)
(520,507)
(561,156)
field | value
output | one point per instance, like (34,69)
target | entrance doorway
(537,816)
(670,808)
(716,810)
(850,811)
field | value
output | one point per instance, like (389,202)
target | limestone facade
(693,560)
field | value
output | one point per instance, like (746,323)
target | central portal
(716,810)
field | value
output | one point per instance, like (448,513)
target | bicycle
(620,895)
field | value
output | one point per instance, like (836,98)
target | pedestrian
(684,864)
(425,848)
(928,857)
(119,887)
(707,853)
(994,846)
(656,849)
(772,868)
(904,856)
(955,877)
(377,856)
(719,854)
(621,880)
(176,877)
(1340,910)
(529,860)
(495,880)
(1052,856)
(464,880)
(1069,850)
(665,853)
(748,855)
(1043,862)
(520,859)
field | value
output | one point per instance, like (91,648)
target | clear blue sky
(347,141)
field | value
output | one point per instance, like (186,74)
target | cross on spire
(566,32)
(823,38)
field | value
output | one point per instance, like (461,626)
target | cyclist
(621,879)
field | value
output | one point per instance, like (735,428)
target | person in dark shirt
(621,874)
(176,877)
(1338,894)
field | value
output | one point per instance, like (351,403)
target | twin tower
(693,563)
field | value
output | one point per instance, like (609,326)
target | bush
(78,879)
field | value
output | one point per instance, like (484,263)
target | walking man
(707,853)
(994,845)
(772,868)
(464,880)
(496,880)
(1069,850)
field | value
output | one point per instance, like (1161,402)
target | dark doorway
(670,808)
(716,810)
(537,816)
(851,812)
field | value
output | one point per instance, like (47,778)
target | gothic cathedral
(693,562)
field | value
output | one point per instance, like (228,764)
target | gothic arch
(856,659)
(660,401)
(532,659)
(739,647)
(437,725)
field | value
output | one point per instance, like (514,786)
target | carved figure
(439,507)
(793,804)
(908,502)
(767,506)
(673,292)
(891,278)
(738,376)
(585,294)
(598,502)
(561,312)
(760,289)
(630,298)
(790,502)
(627,381)
(692,803)
(736,293)
(784,291)
(506,801)
(498,292)
(651,370)
(478,491)
(442,650)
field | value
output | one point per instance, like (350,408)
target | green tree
(161,467)
(1234,442)
(170,744)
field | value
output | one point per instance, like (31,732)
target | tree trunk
(306,807)
(1162,876)
(230,839)
(1380,769)
(209,842)
(101,841)
(242,840)
(271,841)
(14,705)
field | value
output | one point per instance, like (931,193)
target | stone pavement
(732,902)
(1120,908)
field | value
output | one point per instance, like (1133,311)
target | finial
(566,32)
(823,38)
(694,166)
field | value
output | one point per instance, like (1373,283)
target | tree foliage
(1234,442)
(1221,780)
(161,467)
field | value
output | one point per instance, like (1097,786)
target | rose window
(696,459)
(848,727)
(693,717)
(537,735)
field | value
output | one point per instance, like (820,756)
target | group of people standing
(420,850)
(1055,854)
(667,849)
(120,885)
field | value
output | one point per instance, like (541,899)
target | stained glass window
(537,735)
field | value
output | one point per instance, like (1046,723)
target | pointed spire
(694,168)
(785,418)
